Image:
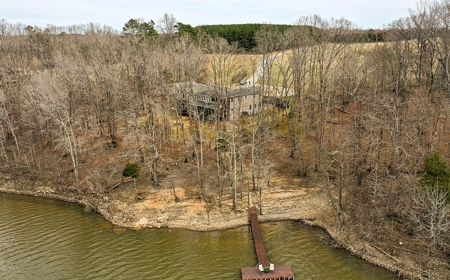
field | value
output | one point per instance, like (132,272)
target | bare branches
(430,212)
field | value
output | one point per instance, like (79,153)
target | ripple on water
(45,239)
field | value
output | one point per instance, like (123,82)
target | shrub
(436,175)
(131,170)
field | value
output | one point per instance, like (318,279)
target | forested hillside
(246,35)
(243,34)
(371,120)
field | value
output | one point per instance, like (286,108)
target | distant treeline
(244,34)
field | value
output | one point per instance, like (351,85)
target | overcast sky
(364,13)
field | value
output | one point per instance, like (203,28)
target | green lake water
(47,239)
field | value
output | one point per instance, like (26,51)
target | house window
(250,107)
(231,99)
(232,110)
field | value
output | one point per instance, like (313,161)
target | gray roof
(196,88)
(245,91)
(204,89)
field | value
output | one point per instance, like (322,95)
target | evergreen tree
(437,174)
(131,170)
(138,27)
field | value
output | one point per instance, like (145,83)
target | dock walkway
(257,238)
(260,271)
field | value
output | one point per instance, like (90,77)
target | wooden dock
(264,270)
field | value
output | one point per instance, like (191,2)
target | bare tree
(225,64)
(52,98)
(166,24)
(295,79)
(260,133)
(329,39)
(430,212)
(5,27)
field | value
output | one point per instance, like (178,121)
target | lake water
(47,239)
